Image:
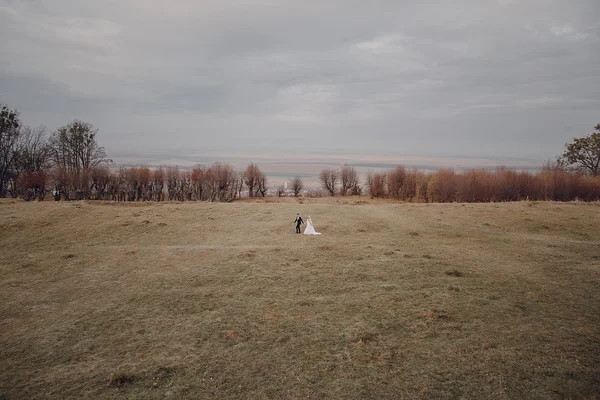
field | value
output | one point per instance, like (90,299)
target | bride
(310,229)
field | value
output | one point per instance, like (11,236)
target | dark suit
(298,222)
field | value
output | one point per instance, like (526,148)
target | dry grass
(196,300)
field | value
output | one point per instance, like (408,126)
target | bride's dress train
(310,229)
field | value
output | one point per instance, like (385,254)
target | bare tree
(172,176)
(74,149)
(117,185)
(297,186)
(395,182)
(225,182)
(262,184)
(252,177)
(349,180)
(376,183)
(32,162)
(198,177)
(61,181)
(34,154)
(329,178)
(158,183)
(100,181)
(32,185)
(144,179)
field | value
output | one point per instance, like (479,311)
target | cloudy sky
(490,78)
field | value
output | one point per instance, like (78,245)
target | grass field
(398,301)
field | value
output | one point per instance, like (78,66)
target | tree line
(574,175)
(70,165)
(553,182)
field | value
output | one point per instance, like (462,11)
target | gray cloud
(500,78)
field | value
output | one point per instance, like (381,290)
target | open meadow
(210,300)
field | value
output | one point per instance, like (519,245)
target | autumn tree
(584,153)
(297,186)
(376,183)
(329,178)
(442,187)
(395,182)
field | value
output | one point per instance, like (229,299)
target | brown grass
(197,300)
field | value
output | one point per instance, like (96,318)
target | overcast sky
(494,78)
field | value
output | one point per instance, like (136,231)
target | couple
(310,229)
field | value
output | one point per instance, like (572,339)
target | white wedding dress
(310,229)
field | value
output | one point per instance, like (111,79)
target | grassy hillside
(199,300)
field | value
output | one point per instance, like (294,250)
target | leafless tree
(32,161)
(297,186)
(252,176)
(158,183)
(349,180)
(395,182)
(225,182)
(186,185)
(61,181)
(409,189)
(117,185)
(376,183)
(100,181)
(34,154)
(262,184)
(329,178)
(198,181)
(74,149)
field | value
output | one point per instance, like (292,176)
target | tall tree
(329,178)
(32,163)
(75,153)
(34,154)
(75,147)
(262,184)
(252,176)
(584,153)
(349,180)
(10,130)
(395,182)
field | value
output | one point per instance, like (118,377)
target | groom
(298,222)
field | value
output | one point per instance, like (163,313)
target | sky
(429,78)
